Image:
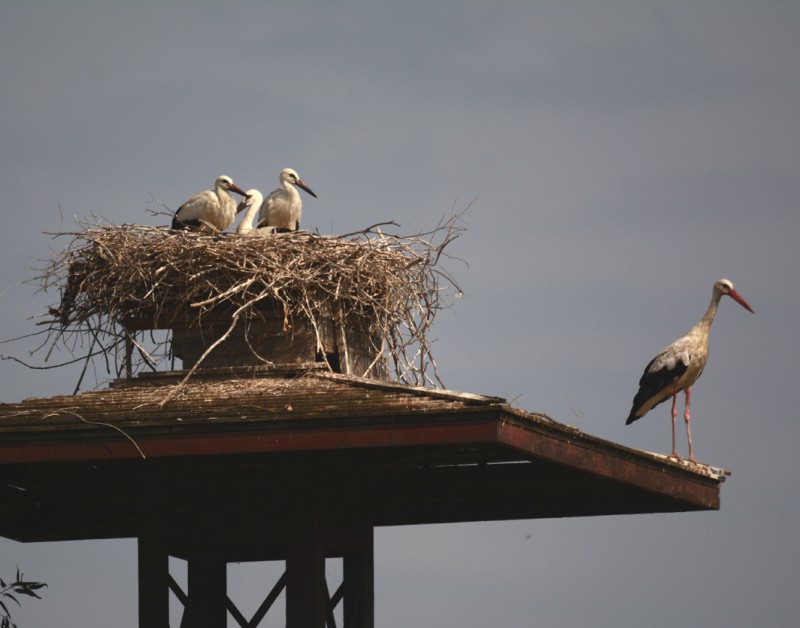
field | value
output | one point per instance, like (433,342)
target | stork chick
(251,202)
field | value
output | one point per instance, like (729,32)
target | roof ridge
(379,384)
(286,371)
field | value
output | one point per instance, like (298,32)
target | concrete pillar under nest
(345,343)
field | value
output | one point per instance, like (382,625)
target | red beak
(738,298)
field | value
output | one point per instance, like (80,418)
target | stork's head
(226,183)
(290,176)
(725,286)
(251,198)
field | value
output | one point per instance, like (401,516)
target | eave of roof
(408,444)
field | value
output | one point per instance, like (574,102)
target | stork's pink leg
(674,416)
(688,418)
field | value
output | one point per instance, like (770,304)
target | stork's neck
(246,225)
(711,312)
(291,190)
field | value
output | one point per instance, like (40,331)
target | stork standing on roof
(252,204)
(209,210)
(678,366)
(283,207)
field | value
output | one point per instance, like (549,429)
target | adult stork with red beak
(678,366)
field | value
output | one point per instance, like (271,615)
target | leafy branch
(10,591)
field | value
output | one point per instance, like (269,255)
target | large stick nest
(109,276)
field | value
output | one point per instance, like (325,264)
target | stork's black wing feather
(662,371)
(178,224)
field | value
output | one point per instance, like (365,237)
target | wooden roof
(233,450)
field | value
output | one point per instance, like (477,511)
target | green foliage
(10,591)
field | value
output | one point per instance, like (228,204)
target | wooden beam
(153,581)
(268,602)
(108,444)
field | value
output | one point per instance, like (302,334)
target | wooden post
(359,580)
(153,582)
(306,591)
(207,579)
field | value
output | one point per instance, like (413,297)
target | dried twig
(99,423)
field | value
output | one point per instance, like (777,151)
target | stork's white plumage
(679,365)
(283,207)
(209,210)
(252,204)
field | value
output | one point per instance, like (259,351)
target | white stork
(679,365)
(252,203)
(209,210)
(283,207)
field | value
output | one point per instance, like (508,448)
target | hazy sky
(621,157)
